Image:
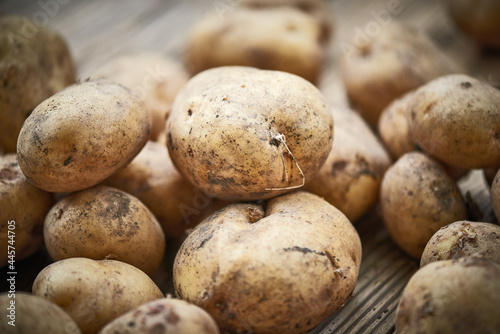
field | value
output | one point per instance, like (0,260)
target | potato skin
(417,199)
(33,66)
(23,203)
(100,221)
(274,38)
(495,195)
(81,135)
(451,296)
(456,118)
(94,293)
(166,315)
(461,239)
(351,176)
(281,267)
(36,315)
(382,68)
(222,133)
(155,78)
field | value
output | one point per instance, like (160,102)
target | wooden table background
(100,30)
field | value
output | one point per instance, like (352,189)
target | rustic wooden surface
(100,30)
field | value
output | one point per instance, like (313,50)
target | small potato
(461,239)
(274,38)
(35,63)
(23,209)
(94,293)
(456,118)
(417,199)
(351,176)
(81,135)
(377,70)
(277,267)
(27,313)
(103,221)
(451,296)
(241,133)
(495,195)
(163,316)
(155,78)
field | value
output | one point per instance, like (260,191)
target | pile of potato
(248,164)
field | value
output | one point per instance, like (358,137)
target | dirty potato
(274,38)
(23,209)
(461,239)
(241,133)
(456,118)
(155,78)
(451,296)
(166,315)
(377,70)
(417,198)
(351,176)
(35,63)
(81,135)
(277,267)
(33,314)
(94,293)
(103,221)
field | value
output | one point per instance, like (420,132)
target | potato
(240,133)
(456,118)
(495,195)
(81,135)
(100,221)
(489,175)
(94,293)
(23,209)
(155,78)
(377,70)
(451,296)
(350,179)
(417,198)
(35,63)
(164,315)
(27,313)
(461,239)
(274,38)
(478,19)
(277,267)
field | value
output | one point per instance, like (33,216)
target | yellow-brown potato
(478,19)
(241,133)
(351,176)
(277,267)
(93,292)
(456,118)
(417,198)
(81,135)
(275,38)
(155,78)
(22,210)
(451,296)
(495,195)
(377,70)
(27,313)
(103,221)
(461,239)
(153,179)
(35,63)
(162,316)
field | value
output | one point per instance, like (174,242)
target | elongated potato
(240,133)
(278,267)
(417,198)
(94,293)
(80,136)
(456,118)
